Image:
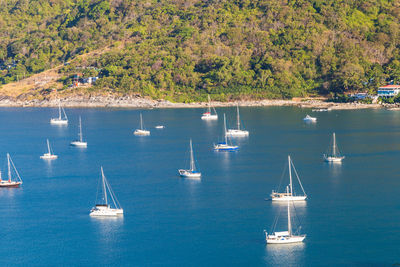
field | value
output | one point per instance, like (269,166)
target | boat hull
(288,198)
(10,184)
(189,174)
(58,122)
(141,132)
(225,148)
(284,239)
(237,133)
(333,159)
(209,117)
(106,212)
(78,144)
(49,157)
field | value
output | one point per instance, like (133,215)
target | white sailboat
(104,208)
(308,118)
(285,237)
(208,115)
(141,131)
(49,155)
(60,120)
(237,132)
(79,142)
(192,172)
(333,154)
(10,182)
(224,146)
(289,195)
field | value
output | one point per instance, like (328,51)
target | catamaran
(237,132)
(60,120)
(79,142)
(333,154)
(308,118)
(224,146)
(49,155)
(192,172)
(141,131)
(285,237)
(10,182)
(289,195)
(104,208)
(208,115)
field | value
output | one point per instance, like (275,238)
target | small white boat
(289,194)
(225,146)
(49,155)
(79,142)
(320,109)
(308,118)
(333,154)
(160,127)
(104,208)
(192,172)
(284,237)
(11,182)
(141,131)
(60,120)
(208,115)
(237,132)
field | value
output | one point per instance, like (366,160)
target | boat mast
(288,214)
(226,137)
(238,117)
(59,110)
(192,167)
(290,176)
(80,129)
(334,145)
(9,167)
(48,146)
(141,122)
(104,185)
(209,104)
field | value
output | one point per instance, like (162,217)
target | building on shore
(389,90)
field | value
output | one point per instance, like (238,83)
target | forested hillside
(184,49)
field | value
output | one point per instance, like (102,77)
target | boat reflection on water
(285,254)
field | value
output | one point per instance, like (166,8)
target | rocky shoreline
(138,102)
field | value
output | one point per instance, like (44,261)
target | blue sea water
(351,218)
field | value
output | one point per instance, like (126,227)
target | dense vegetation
(183,49)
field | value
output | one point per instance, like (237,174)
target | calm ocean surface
(352,216)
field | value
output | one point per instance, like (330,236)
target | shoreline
(137,102)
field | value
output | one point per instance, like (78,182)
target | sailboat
(192,172)
(60,120)
(289,195)
(224,146)
(10,182)
(238,131)
(285,237)
(208,115)
(104,208)
(79,142)
(308,118)
(333,154)
(49,155)
(141,131)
